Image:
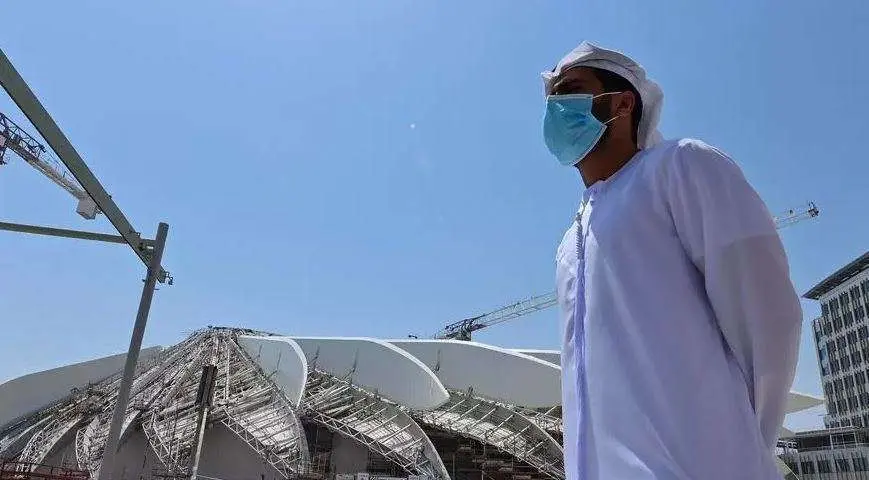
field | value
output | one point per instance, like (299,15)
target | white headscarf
(590,55)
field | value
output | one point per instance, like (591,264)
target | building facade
(841,336)
(840,453)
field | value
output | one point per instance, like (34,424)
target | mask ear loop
(611,120)
(608,93)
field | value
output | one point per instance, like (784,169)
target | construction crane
(16,139)
(463,329)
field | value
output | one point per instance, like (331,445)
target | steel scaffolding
(498,425)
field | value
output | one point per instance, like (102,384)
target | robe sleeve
(730,236)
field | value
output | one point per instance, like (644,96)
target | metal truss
(152,378)
(549,419)
(13,440)
(44,441)
(63,418)
(163,401)
(256,410)
(381,426)
(172,435)
(500,426)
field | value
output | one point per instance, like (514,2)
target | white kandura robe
(679,354)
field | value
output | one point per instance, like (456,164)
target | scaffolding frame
(500,426)
(164,403)
(18,470)
(382,426)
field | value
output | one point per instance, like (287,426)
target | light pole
(150,252)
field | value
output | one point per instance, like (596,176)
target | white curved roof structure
(26,394)
(292,407)
(283,361)
(551,356)
(366,361)
(491,372)
(801,401)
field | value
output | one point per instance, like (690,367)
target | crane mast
(16,139)
(463,329)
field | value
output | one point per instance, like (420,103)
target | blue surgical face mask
(569,128)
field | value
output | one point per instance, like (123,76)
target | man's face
(583,80)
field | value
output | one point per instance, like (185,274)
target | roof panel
(493,372)
(282,360)
(838,277)
(800,401)
(551,356)
(29,393)
(377,366)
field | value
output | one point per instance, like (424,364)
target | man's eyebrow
(568,81)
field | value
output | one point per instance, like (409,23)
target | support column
(154,269)
(204,399)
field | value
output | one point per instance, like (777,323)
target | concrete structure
(842,343)
(240,404)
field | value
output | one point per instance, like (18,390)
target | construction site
(234,404)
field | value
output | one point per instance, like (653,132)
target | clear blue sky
(376,168)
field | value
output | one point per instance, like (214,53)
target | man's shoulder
(686,153)
(684,146)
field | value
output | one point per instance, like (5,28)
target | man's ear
(625,102)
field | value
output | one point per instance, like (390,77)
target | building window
(863,332)
(846,363)
(807,467)
(824,466)
(860,464)
(856,359)
(843,465)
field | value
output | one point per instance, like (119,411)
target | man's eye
(566,89)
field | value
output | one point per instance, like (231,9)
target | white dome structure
(278,407)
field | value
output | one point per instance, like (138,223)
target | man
(680,323)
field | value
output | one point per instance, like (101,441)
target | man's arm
(732,239)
